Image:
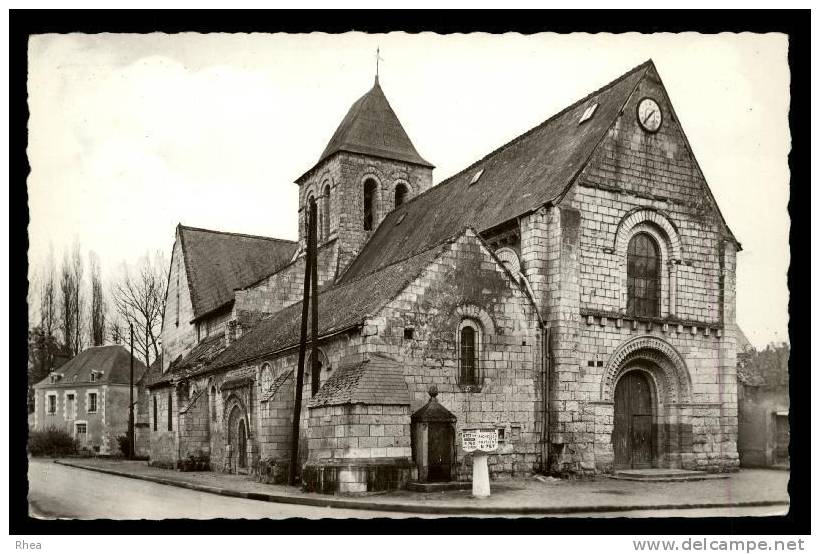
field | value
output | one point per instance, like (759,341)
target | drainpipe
(546,352)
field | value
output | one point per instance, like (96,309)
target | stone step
(418,486)
(665,475)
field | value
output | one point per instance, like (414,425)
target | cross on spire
(378,57)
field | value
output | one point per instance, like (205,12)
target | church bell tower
(369,167)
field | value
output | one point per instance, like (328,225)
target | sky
(131,134)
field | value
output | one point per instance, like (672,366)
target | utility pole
(310,259)
(314,307)
(131,400)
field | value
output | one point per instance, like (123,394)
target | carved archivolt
(233,401)
(480,314)
(655,356)
(650,218)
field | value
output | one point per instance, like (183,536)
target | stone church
(573,289)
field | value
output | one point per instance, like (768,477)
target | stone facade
(344,175)
(547,295)
(103,425)
(574,256)
(179,334)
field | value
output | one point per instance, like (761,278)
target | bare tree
(97,313)
(79,301)
(139,300)
(117,330)
(48,297)
(66,300)
(71,300)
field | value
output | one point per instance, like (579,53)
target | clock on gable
(649,115)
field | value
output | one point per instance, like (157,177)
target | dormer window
(476,177)
(588,113)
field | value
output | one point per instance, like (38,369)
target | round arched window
(469,347)
(643,276)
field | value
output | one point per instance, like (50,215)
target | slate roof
(373,379)
(524,174)
(218,263)
(371,127)
(191,363)
(433,411)
(341,307)
(114,362)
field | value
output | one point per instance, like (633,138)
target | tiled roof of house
(524,174)
(372,379)
(218,263)
(372,128)
(341,307)
(113,361)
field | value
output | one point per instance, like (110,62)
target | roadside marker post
(480,442)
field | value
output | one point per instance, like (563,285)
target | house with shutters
(88,397)
(574,290)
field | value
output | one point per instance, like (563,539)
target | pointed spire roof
(372,128)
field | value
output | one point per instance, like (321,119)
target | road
(58,491)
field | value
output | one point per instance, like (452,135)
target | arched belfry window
(643,276)
(370,206)
(469,347)
(326,213)
(401,194)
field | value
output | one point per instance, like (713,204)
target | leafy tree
(767,367)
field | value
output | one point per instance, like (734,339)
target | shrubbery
(124,444)
(51,442)
(196,462)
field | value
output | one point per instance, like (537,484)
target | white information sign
(483,440)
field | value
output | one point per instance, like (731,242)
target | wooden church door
(439,452)
(632,433)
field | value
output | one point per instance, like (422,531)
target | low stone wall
(359,431)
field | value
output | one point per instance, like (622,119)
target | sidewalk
(752,487)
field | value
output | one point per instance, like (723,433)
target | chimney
(230,332)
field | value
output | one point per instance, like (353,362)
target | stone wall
(164,450)
(757,437)
(359,431)
(114,418)
(574,256)
(99,436)
(275,422)
(194,425)
(467,282)
(346,173)
(178,333)
(283,288)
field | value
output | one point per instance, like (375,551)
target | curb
(353,504)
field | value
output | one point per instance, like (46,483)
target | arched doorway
(632,434)
(238,437)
